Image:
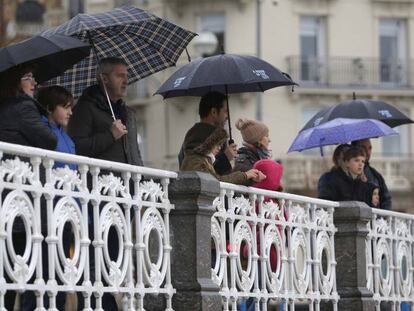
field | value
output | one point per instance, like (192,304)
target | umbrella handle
(231,141)
(108,99)
(98,60)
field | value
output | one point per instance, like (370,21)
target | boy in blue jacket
(57,103)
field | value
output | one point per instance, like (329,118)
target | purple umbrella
(340,131)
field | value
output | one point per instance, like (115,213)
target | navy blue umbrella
(146,42)
(340,131)
(50,55)
(360,109)
(224,73)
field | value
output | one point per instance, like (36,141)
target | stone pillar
(351,220)
(190,230)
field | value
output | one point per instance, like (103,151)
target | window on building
(312,47)
(392,50)
(141,132)
(215,23)
(397,145)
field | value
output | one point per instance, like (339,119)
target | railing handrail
(279,195)
(381,212)
(76,159)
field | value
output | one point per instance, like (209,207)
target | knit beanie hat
(252,131)
(273,172)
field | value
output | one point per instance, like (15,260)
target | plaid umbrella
(146,42)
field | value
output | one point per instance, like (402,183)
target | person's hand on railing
(255,175)
(118,129)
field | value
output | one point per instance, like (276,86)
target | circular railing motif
(67,211)
(243,240)
(153,225)
(326,257)
(383,257)
(403,265)
(218,251)
(300,254)
(17,204)
(275,251)
(112,216)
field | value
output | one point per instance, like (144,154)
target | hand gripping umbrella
(224,73)
(146,42)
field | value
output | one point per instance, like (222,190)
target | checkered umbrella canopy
(146,42)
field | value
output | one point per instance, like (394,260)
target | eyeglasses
(28,78)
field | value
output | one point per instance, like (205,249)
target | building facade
(332,48)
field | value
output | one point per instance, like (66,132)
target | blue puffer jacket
(64,142)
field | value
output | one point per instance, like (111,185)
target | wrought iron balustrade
(389,253)
(97,200)
(351,72)
(271,246)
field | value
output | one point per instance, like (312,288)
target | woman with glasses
(20,121)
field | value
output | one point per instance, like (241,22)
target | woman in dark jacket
(345,184)
(20,113)
(255,144)
(20,124)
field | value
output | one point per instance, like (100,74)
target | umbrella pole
(231,141)
(100,75)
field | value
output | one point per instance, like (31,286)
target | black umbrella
(51,55)
(224,73)
(360,109)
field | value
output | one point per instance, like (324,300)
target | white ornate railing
(389,251)
(272,246)
(99,200)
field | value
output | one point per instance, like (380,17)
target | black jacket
(20,123)
(374,177)
(90,129)
(246,158)
(222,165)
(341,187)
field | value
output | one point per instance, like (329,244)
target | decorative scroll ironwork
(99,203)
(390,257)
(269,246)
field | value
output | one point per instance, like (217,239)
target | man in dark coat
(97,135)
(92,127)
(374,177)
(213,112)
